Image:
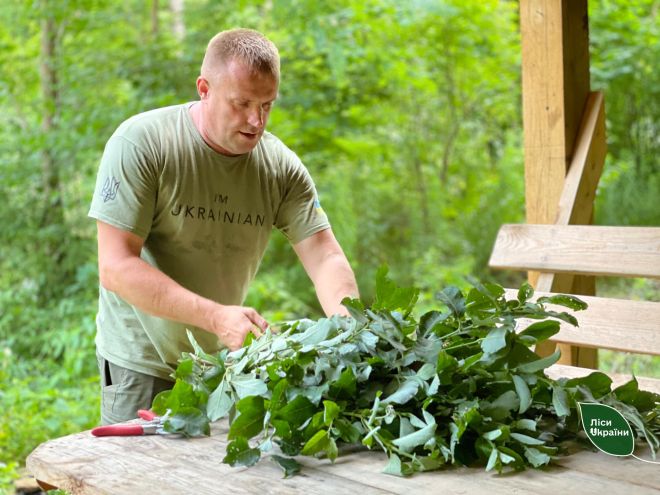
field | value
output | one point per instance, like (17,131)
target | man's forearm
(152,291)
(335,281)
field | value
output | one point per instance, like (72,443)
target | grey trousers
(124,391)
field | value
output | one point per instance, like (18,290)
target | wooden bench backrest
(579,249)
(623,325)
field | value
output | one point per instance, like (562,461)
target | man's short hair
(246,45)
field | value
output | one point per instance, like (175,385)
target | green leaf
(250,422)
(502,406)
(345,386)
(492,434)
(355,309)
(408,442)
(526,439)
(539,364)
(406,391)
(640,399)
(607,429)
(315,334)
(182,396)
(346,431)
(391,297)
(297,411)
(426,372)
(560,401)
(289,466)
(495,340)
(220,402)
(446,362)
(429,320)
(278,398)
(331,411)
(319,442)
(523,393)
(239,453)
(565,300)
(184,369)
(493,459)
(598,383)
(198,349)
(510,456)
(331,450)
(536,458)
(247,385)
(188,421)
(394,466)
(454,300)
(541,330)
(369,340)
(525,292)
(525,424)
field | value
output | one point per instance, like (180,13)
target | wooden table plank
(83,464)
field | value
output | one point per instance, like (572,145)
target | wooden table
(83,464)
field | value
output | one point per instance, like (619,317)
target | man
(185,200)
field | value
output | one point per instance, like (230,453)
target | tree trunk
(178,23)
(154,18)
(49,90)
(52,215)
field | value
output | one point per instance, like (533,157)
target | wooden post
(555,83)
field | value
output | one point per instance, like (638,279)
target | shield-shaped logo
(110,188)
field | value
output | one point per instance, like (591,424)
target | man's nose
(256,117)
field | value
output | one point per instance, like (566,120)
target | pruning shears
(153,426)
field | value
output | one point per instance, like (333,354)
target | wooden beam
(555,82)
(579,192)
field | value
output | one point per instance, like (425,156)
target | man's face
(235,105)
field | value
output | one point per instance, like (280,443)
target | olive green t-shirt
(205,219)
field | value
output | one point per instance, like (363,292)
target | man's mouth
(249,135)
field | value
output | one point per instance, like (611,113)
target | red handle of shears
(147,414)
(117,430)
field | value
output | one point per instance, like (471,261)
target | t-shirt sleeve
(126,185)
(300,215)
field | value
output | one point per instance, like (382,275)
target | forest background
(407,114)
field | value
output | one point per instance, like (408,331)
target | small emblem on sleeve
(317,207)
(110,187)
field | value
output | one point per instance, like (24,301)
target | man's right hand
(232,324)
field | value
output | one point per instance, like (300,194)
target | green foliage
(625,50)
(40,400)
(457,386)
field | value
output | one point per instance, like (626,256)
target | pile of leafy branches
(458,386)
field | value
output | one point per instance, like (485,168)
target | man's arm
(121,270)
(328,268)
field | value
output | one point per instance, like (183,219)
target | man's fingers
(257,319)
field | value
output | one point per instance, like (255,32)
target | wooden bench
(616,324)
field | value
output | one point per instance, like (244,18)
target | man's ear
(202,88)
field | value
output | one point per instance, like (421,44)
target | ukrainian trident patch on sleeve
(109,190)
